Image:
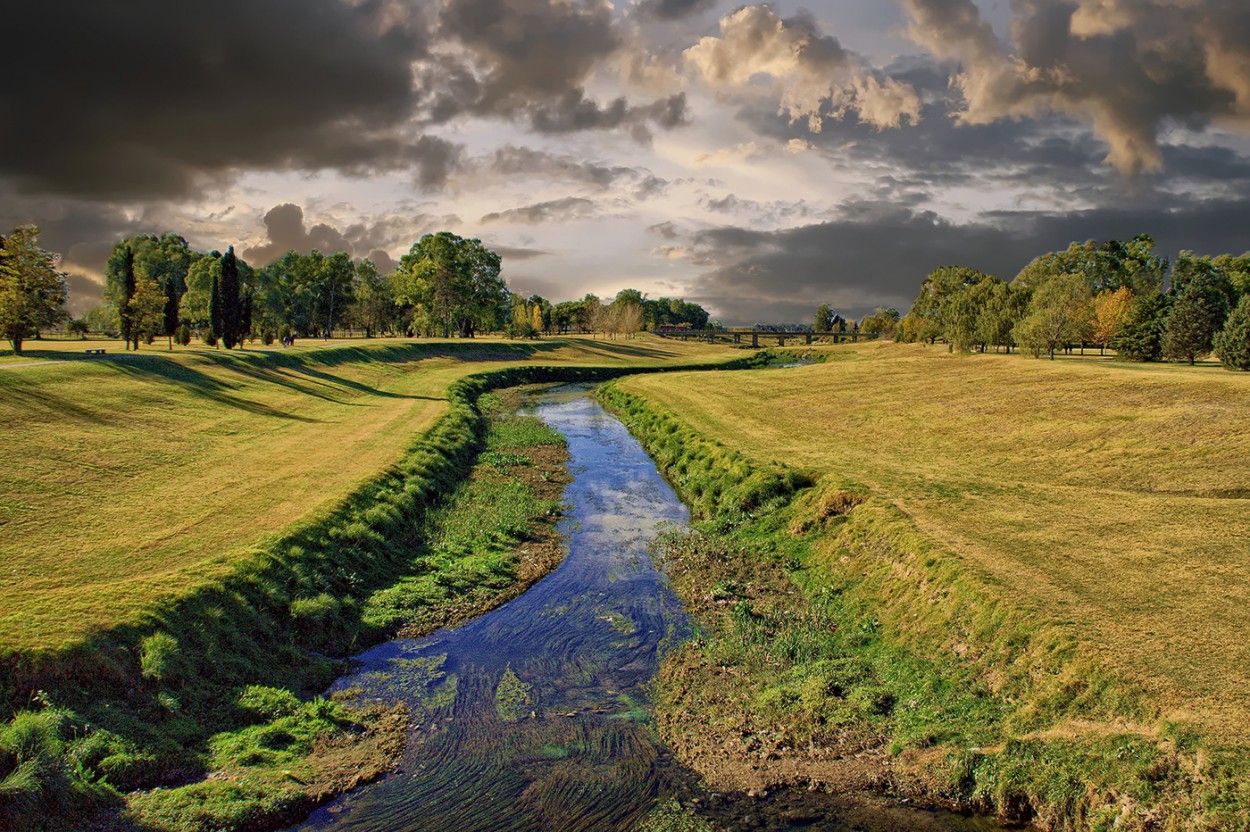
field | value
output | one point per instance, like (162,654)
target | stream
(534,716)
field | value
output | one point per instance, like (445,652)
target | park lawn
(137,477)
(1108,498)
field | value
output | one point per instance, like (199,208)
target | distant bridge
(741,335)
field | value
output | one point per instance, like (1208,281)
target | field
(1110,499)
(130,479)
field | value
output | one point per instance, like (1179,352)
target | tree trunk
(17,345)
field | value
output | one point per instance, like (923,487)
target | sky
(758,159)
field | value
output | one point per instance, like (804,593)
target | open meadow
(1112,500)
(136,477)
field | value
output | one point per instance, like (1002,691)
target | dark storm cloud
(512,161)
(858,264)
(532,59)
(573,112)
(1129,68)
(284,227)
(285,230)
(673,9)
(567,209)
(154,99)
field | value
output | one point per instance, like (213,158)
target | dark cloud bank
(860,263)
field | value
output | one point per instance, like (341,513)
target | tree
(824,318)
(214,313)
(1190,327)
(196,305)
(1111,311)
(230,292)
(962,313)
(1232,343)
(32,290)
(1058,315)
(1141,335)
(147,311)
(1003,308)
(880,324)
(456,279)
(373,301)
(119,287)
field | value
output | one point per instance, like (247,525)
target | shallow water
(534,716)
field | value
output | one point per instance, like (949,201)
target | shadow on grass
(618,349)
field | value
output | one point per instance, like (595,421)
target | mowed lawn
(1111,498)
(132,478)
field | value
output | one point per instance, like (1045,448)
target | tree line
(1118,295)
(157,286)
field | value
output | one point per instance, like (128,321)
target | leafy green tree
(1058,315)
(1202,277)
(1004,306)
(1141,335)
(929,318)
(146,311)
(103,319)
(1232,343)
(456,279)
(1190,327)
(196,305)
(32,290)
(880,324)
(824,318)
(373,301)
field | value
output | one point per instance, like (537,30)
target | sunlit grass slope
(1111,499)
(132,478)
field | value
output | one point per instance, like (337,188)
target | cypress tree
(172,302)
(125,316)
(1232,344)
(231,300)
(214,311)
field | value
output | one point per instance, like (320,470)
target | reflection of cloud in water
(586,639)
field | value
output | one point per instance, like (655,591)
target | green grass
(854,625)
(1108,499)
(212,692)
(134,479)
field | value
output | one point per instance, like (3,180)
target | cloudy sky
(759,159)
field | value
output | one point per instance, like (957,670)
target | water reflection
(534,716)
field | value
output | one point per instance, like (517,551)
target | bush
(1232,343)
(210,339)
(183,335)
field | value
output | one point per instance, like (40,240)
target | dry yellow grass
(1112,499)
(132,478)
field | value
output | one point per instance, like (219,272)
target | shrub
(183,335)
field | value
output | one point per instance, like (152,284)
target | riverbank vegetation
(217,715)
(1010,588)
(183,684)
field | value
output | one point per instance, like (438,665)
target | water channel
(534,716)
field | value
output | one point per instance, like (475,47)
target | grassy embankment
(158,668)
(1015,585)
